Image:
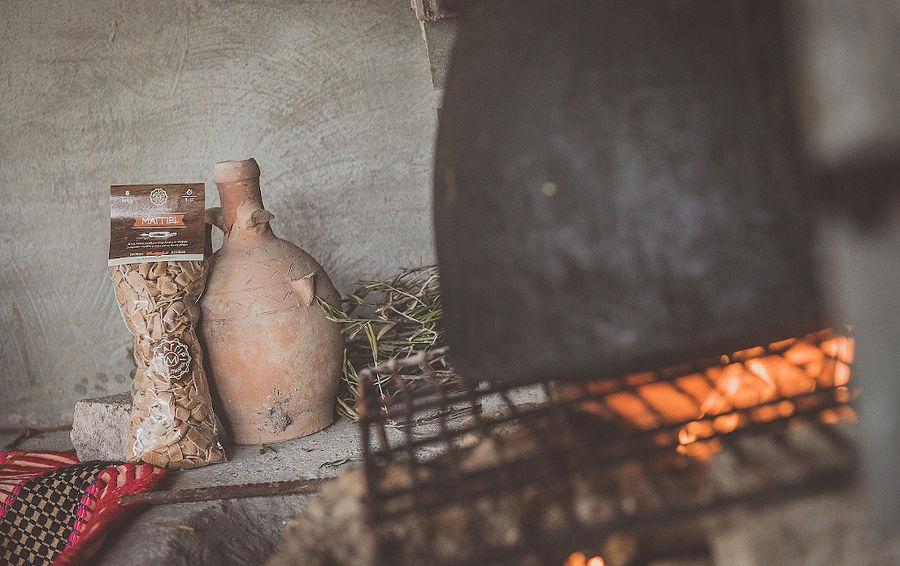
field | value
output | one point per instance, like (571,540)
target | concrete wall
(332,97)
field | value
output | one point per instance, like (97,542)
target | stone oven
(624,229)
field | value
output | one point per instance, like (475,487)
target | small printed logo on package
(156,223)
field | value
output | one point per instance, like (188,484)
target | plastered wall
(332,97)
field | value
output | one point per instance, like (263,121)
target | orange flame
(748,379)
(753,378)
(744,388)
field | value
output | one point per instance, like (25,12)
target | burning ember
(754,385)
(579,559)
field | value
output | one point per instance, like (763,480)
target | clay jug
(273,357)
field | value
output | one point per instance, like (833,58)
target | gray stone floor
(231,532)
(57,440)
(228,531)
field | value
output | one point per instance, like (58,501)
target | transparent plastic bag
(172,420)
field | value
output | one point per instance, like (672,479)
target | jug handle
(246,219)
(212,217)
(215,218)
(305,288)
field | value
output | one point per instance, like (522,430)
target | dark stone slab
(615,187)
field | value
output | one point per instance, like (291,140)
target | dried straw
(388,319)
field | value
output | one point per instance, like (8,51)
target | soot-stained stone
(616,188)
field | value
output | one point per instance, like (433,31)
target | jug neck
(238,184)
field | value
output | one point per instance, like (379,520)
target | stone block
(431,10)
(439,35)
(100,427)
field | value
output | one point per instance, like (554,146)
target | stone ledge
(100,432)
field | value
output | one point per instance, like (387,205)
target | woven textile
(56,510)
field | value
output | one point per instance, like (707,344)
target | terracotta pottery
(274,359)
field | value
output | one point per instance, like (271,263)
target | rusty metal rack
(427,430)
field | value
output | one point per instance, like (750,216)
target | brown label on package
(156,223)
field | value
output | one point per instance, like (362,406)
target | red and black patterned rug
(56,510)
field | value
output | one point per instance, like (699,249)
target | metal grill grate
(551,436)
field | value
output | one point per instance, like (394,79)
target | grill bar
(392,407)
(470,484)
(821,396)
(583,430)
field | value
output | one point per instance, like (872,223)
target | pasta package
(157,239)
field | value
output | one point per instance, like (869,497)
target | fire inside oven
(554,473)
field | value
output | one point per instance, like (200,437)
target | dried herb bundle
(389,319)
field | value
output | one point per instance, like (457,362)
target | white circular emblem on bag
(158,196)
(172,359)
